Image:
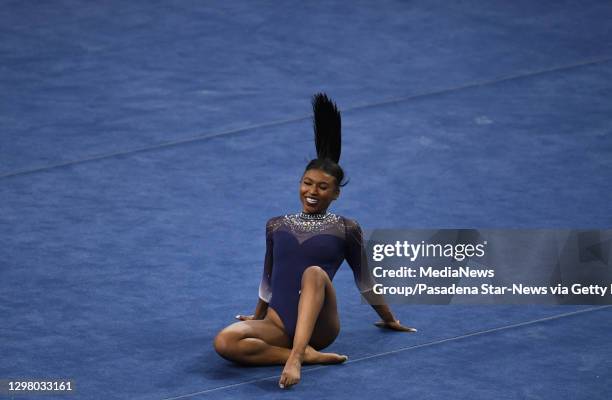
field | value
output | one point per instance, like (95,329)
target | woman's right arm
(265,286)
(260,310)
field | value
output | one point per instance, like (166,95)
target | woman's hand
(394,326)
(245,317)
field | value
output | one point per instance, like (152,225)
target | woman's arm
(357,260)
(388,320)
(384,312)
(265,286)
(260,310)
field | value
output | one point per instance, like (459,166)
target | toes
(286,382)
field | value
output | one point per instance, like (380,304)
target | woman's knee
(226,342)
(315,274)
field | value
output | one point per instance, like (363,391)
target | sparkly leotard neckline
(308,216)
(303,223)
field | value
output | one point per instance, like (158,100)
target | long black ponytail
(327,126)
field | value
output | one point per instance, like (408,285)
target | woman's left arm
(357,259)
(388,320)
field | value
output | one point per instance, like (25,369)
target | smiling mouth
(312,201)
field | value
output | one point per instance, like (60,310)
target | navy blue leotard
(297,241)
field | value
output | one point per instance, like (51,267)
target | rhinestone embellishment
(310,217)
(302,222)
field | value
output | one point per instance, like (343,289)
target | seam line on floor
(418,346)
(302,118)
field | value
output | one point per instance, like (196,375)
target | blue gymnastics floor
(144,145)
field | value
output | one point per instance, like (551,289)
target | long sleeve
(265,287)
(356,256)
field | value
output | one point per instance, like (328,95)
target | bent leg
(263,342)
(255,342)
(317,323)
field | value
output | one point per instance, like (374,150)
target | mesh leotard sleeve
(265,287)
(356,256)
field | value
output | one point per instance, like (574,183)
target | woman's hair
(328,139)
(328,166)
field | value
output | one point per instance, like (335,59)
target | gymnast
(296,314)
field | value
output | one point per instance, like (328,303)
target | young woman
(296,315)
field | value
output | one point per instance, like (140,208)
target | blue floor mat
(144,146)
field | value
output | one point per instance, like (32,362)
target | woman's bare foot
(311,356)
(293,367)
(291,372)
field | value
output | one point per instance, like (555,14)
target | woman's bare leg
(317,323)
(255,342)
(263,342)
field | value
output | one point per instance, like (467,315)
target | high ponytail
(327,126)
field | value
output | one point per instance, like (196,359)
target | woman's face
(317,190)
